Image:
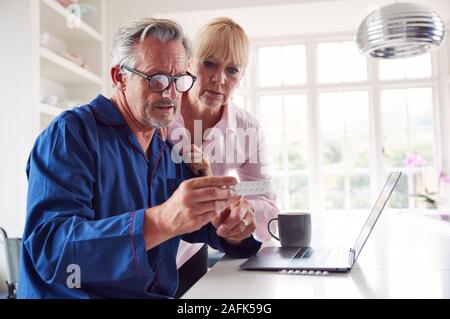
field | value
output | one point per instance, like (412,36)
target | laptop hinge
(351,257)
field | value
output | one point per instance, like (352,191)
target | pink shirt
(235,143)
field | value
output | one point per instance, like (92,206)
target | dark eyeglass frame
(170,78)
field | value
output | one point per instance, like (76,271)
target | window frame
(373,85)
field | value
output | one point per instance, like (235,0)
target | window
(340,62)
(282,65)
(325,108)
(344,127)
(411,68)
(284,119)
(408,135)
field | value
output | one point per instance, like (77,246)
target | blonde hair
(224,40)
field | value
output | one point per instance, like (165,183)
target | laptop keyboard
(317,256)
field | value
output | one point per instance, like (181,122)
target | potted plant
(430,198)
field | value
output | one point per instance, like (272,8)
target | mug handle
(268,228)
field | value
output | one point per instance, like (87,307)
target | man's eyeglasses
(161,82)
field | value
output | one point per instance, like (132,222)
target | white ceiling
(260,18)
(202,5)
(296,18)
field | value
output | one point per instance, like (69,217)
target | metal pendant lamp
(400,30)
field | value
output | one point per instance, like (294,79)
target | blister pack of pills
(252,188)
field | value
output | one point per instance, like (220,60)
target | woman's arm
(256,168)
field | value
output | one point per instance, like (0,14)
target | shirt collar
(105,111)
(227,121)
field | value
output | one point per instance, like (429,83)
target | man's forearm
(234,242)
(246,248)
(154,233)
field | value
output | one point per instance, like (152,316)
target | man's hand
(194,204)
(236,222)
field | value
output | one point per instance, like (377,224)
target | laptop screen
(376,211)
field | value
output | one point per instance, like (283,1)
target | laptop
(331,259)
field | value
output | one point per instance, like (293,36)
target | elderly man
(107,206)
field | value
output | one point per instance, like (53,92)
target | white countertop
(406,256)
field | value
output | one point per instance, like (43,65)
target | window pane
(279,185)
(422,144)
(354,62)
(294,64)
(332,113)
(393,109)
(418,67)
(410,68)
(357,150)
(329,61)
(360,191)
(420,108)
(334,192)
(425,183)
(399,197)
(356,111)
(298,192)
(271,114)
(410,113)
(295,114)
(340,62)
(275,153)
(333,150)
(395,148)
(297,151)
(269,66)
(344,111)
(391,69)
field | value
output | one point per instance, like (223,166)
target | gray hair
(130,34)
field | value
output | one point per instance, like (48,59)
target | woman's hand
(236,222)
(196,160)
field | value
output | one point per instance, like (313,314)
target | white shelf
(59,75)
(50,109)
(58,69)
(54,19)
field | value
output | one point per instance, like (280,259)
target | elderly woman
(210,121)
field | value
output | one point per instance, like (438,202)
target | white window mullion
(315,188)
(285,149)
(376,137)
(347,170)
(410,175)
(442,116)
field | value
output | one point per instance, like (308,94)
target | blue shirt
(90,184)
